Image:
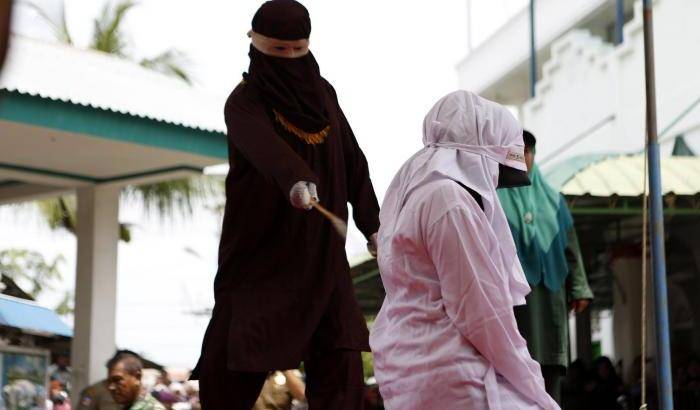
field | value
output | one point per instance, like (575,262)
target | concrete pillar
(96,284)
(627,305)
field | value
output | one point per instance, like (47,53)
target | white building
(590,104)
(585,80)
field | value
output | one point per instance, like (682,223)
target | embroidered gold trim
(309,138)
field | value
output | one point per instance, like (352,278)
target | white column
(627,305)
(96,284)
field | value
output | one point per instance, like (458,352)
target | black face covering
(291,86)
(511,178)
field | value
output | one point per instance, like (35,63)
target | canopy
(31,317)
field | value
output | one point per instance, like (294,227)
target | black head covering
(291,86)
(510,177)
(283,20)
(529,138)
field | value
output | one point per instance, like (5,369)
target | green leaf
(171,62)
(108,36)
(29,268)
(165,199)
(67,304)
(61,213)
(175,197)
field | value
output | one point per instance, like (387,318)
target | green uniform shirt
(97,397)
(147,402)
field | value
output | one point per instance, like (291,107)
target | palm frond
(171,62)
(59,212)
(57,25)
(124,232)
(67,304)
(31,268)
(177,196)
(62,213)
(108,36)
(165,198)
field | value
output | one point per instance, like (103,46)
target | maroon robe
(283,277)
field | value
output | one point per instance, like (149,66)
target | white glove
(301,194)
(312,191)
(372,245)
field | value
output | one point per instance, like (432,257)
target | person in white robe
(446,337)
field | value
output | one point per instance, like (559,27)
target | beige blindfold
(279,48)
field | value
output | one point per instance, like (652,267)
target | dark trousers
(334,380)
(553,376)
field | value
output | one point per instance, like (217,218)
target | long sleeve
(577,281)
(361,195)
(475,297)
(251,133)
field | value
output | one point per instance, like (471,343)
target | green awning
(602,175)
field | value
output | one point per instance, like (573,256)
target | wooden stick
(340,226)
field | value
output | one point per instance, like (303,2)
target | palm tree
(165,198)
(31,269)
(109,37)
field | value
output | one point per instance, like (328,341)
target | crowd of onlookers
(282,389)
(595,386)
(599,386)
(687,380)
(175,395)
(148,385)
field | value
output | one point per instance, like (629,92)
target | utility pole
(662,330)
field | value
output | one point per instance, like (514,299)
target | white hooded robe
(446,337)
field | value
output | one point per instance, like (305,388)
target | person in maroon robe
(283,290)
(5,23)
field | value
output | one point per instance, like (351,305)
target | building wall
(498,68)
(587,81)
(627,328)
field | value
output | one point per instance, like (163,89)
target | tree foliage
(165,198)
(107,35)
(31,269)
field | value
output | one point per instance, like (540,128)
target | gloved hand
(372,245)
(301,194)
(312,191)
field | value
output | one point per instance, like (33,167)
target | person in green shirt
(97,397)
(543,230)
(124,384)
